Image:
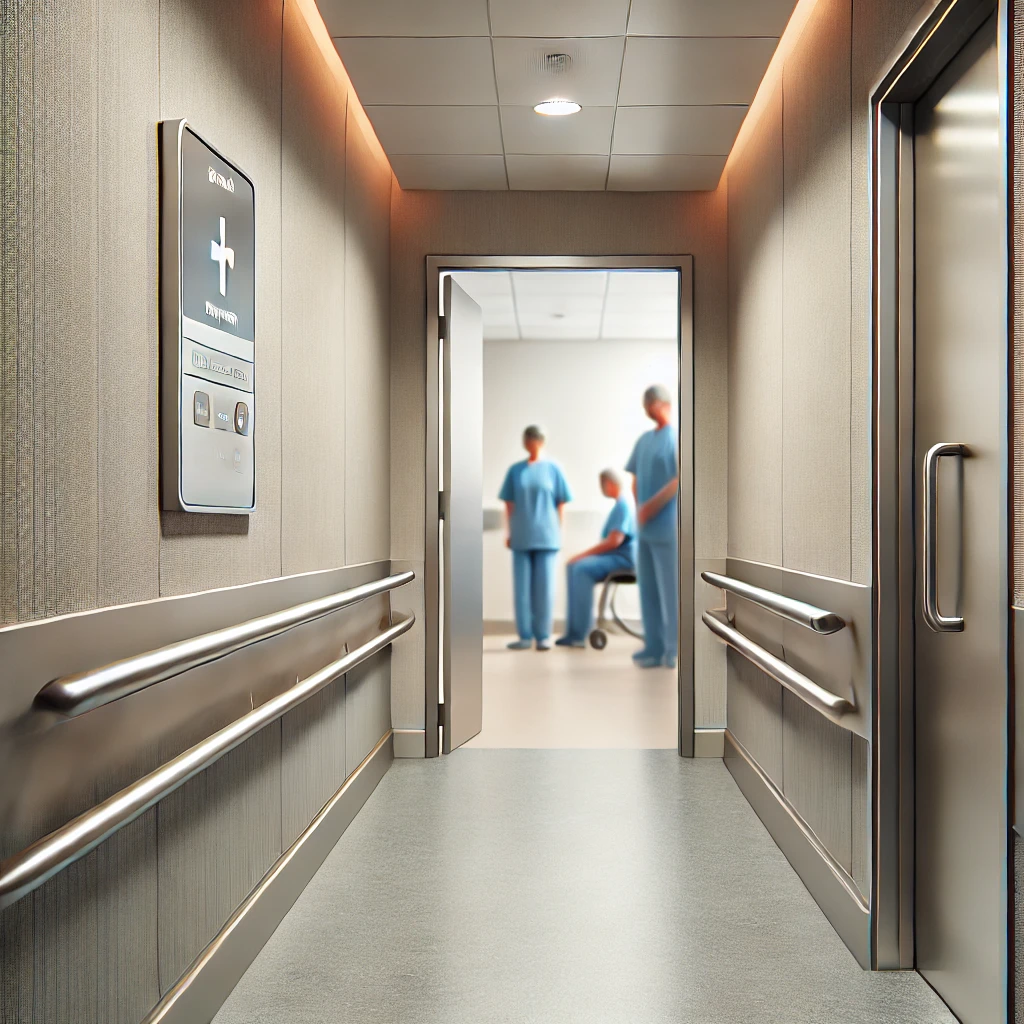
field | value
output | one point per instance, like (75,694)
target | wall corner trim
(199,993)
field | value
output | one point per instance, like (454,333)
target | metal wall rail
(830,705)
(75,694)
(46,857)
(818,619)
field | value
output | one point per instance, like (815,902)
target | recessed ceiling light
(557,108)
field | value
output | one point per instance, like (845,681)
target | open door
(462,340)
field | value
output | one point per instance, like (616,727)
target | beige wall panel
(367,707)
(367,348)
(877,30)
(239,111)
(312,305)
(816,296)
(860,779)
(48,414)
(83,947)
(408,656)
(755,714)
(548,223)
(817,765)
(756,384)
(217,837)
(128,485)
(709,660)
(312,758)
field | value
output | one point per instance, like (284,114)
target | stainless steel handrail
(830,705)
(818,619)
(48,856)
(76,694)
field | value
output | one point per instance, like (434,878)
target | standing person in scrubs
(615,552)
(535,493)
(655,468)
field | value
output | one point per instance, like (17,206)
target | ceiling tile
(566,17)
(709,17)
(556,173)
(526,131)
(404,17)
(450,172)
(643,284)
(524,78)
(480,284)
(676,129)
(654,304)
(540,309)
(531,283)
(455,130)
(638,325)
(692,71)
(420,72)
(665,173)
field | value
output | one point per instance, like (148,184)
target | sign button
(242,418)
(222,418)
(201,409)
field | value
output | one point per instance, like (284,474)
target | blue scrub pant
(533,577)
(658,577)
(581,578)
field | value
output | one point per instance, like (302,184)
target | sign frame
(193,352)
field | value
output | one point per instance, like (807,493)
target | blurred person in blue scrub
(535,493)
(616,552)
(655,468)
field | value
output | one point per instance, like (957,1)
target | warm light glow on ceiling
(557,107)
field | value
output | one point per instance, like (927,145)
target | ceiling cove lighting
(558,107)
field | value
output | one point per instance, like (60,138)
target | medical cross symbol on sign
(221,254)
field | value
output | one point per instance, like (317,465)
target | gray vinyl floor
(549,886)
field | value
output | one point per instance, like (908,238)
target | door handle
(930,604)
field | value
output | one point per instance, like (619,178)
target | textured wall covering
(552,223)
(82,87)
(799,308)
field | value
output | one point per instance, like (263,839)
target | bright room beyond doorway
(574,352)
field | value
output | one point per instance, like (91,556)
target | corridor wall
(557,223)
(799,335)
(82,87)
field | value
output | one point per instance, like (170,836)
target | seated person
(616,552)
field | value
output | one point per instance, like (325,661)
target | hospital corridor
(511,512)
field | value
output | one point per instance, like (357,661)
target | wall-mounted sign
(207,327)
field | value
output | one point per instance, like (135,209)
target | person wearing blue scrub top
(655,468)
(616,552)
(534,493)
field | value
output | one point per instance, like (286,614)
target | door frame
(436,266)
(939,33)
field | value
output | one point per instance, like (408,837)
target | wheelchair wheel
(598,639)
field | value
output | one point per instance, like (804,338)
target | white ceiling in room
(450,87)
(590,305)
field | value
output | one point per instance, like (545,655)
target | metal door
(462,336)
(960,642)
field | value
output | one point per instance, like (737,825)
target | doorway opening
(569,347)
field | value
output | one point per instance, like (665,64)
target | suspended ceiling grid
(450,86)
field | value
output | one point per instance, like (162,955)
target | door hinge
(442,327)
(442,718)
(442,511)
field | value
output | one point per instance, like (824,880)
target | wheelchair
(606,606)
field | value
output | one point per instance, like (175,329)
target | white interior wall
(587,395)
